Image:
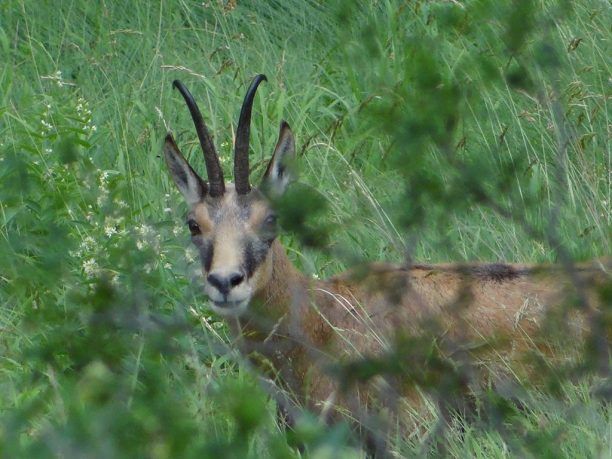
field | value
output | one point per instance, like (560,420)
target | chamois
(294,327)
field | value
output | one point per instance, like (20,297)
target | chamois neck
(284,283)
(286,288)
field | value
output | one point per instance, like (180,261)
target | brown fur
(297,326)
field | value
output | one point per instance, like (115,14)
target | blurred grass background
(442,131)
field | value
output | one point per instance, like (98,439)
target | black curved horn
(241,146)
(216,186)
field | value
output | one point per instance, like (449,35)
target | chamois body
(299,329)
(299,324)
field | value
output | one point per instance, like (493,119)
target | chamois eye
(194,228)
(270,220)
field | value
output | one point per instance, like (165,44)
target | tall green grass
(438,130)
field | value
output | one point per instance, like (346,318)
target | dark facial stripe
(206,254)
(254,255)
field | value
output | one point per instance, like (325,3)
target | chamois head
(232,225)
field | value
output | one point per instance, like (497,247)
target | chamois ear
(187,180)
(280,171)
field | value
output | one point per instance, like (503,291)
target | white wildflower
(102,198)
(58,78)
(88,243)
(113,221)
(103,179)
(140,244)
(145,230)
(189,255)
(110,230)
(48,127)
(90,267)
(82,108)
(148,237)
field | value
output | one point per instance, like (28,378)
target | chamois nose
(225,282)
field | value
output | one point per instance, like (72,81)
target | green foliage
(453,131)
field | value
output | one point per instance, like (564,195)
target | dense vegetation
(434,130)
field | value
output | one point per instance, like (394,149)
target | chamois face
(233,231)
(233,234)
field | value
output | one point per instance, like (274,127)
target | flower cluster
(113,226)
(147,238)
(87,253)
(85,115)
(103,190)
(46,125)
(58,78)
